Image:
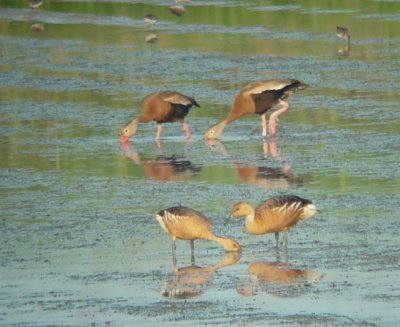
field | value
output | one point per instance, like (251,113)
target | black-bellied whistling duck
(184,223)
(162,107)
(257,98)
(277,214)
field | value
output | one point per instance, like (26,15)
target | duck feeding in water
(184,223)
(277,214)
(257,98)
(161,107)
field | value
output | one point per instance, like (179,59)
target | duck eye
(211,132)
(126,131)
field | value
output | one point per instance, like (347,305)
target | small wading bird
(162,107)
(35,4)
(277,214)
(184,223)
(343,33)
(150,20)
(257,98)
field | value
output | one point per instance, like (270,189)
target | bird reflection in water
(163,167)
(278,279)
(192,281)
(269,177)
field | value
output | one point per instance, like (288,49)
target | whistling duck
(274,215)
(162,107)
(191,281)
(257,98)
(35,4)
(184,223)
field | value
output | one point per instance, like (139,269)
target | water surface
(79,242)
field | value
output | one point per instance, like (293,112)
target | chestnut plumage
(257,98)
(161,107)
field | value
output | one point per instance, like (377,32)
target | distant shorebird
(184,223)
(277,214)
(35,4)
(150,19)
(177,10)
(343,33)
(257,98)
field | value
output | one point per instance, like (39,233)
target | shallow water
(79,242)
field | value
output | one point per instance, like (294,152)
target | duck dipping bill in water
(257,98)
(161,107)
(184,223)
(277,214)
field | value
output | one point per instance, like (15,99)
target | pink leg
(159,131)
(275,117)
(186,128)
(264,125)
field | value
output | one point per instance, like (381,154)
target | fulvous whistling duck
(277,214)
(162,107)
(257,98)
(184,223)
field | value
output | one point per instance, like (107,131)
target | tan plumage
(277,214)
(184,223)
(161,107)
(257,98)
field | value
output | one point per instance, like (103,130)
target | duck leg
(186,129)
(174,261)
(277,239)
(285,239)
(275,117)
(159,131)
(264,125)
(192,252)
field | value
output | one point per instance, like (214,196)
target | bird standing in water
(343,33)
(162,107)
(277,214)
(184,223)
(257,98)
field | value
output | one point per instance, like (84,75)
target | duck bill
(123,139)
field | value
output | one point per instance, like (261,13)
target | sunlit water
(79,242)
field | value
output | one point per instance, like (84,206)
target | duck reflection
(264,176)
(191,281)
(278,279)
(163,167)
